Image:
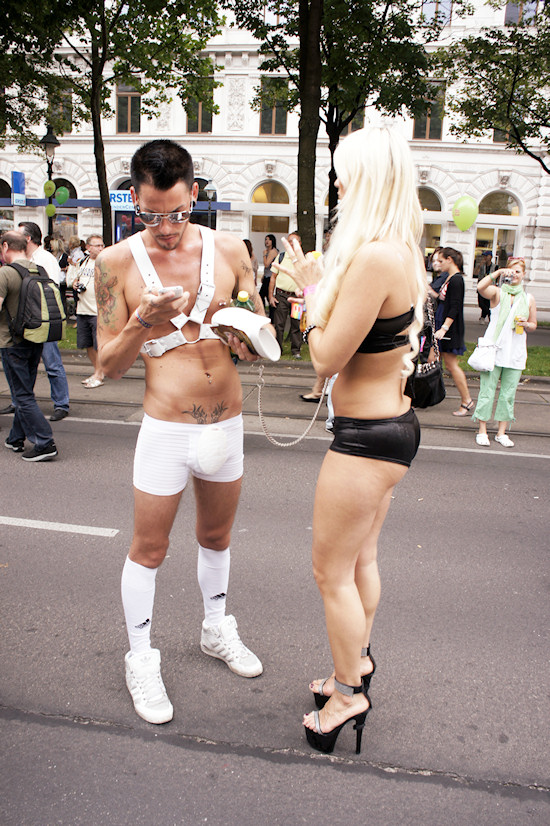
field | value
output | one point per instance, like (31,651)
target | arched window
(496,235)
(499,203)
(429,200)
(270,192)
(62,182)
(5,189)
(125,184)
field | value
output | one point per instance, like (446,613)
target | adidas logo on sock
(143,624)
(218,596)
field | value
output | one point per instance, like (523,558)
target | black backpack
(40,315)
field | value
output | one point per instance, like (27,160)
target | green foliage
(27,81)
(502,78)
(371,53)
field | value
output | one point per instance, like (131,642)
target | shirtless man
(192,423)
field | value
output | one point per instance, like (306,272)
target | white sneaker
(224,643)
(146,687)
(504,441)
(482,439)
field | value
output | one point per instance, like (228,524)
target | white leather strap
(157,347)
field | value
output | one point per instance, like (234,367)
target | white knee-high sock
(138,595)
(213,576)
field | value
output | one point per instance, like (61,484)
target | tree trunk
(311,13)
(101,171)
(333,133)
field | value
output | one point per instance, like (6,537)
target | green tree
(501,80)
(27,59)
(364,53)
(150,45)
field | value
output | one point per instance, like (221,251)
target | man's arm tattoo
(105,283)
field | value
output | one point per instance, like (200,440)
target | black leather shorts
(389,440)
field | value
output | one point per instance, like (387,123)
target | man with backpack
(51,357)
(21,357)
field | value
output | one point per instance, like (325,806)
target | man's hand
(241,349)
(158,309)
(273,301)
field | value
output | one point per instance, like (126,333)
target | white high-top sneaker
(146,687)
(223,642)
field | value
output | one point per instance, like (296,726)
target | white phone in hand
(178,291)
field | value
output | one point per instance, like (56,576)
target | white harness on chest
(157,347)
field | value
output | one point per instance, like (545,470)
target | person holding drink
(513,313)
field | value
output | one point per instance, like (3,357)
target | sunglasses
(153,219)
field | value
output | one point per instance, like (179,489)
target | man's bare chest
(187,274)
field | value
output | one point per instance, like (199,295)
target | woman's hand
(306,269)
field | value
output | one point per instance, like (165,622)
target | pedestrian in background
(513,314)
(451,332)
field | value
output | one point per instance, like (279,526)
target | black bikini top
(383,334)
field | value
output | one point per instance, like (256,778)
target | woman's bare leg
(350,492)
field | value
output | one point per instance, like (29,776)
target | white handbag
(484,355)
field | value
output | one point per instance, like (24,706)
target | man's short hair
(90,238)
(161,164)
(32,231)
(455,255)
(16,241)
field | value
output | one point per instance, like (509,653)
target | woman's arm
(270,256)
(530,324)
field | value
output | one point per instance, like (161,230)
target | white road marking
(63,527)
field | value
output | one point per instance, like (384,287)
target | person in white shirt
(59,386)
(86,310)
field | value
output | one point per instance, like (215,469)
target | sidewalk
(285,381)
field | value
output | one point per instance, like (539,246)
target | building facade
(250,159)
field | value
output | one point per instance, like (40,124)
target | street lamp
(210,191)
(50,143)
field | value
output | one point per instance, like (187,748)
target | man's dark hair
(449,252)
(161,164)
(32,231)
(16,241)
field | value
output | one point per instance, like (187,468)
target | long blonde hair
(377,173)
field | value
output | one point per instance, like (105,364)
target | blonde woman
(367,310)
(513,314)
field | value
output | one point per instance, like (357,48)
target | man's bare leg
(216,504)
(153,520)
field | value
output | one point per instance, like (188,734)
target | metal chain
(267,434)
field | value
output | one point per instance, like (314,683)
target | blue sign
(18,189)
(121,200)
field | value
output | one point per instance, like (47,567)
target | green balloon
(62,195)
(50,210)
(465,212)
(49,189)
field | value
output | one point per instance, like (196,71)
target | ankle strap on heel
(365,652)
(348,690)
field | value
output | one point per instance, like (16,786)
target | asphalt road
(459,731)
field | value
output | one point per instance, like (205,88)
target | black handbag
(426,384)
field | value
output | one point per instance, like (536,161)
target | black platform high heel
(325,742)
(321,699)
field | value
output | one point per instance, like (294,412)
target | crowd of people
(72,271)
(154,294)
